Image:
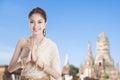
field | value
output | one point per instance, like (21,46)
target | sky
(71,25)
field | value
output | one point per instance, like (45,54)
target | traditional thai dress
(47,53)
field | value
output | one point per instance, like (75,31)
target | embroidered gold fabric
(30,78)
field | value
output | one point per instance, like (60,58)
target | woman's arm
(14,67)
(14,64)
(52,72)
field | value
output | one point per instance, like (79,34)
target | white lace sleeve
(56,60)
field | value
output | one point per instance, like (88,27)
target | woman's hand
(33,56)
(34,52)
(40,64)
(28,59)
(25,56)
(25,60)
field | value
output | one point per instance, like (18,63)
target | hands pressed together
(33,57)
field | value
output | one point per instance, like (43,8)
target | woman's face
(37,24)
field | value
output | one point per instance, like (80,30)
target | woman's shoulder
(23,41)
(50,41)
(53,47)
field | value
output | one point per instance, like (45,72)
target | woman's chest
(44,55)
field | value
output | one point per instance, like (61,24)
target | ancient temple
(66,67)
(89,62)
(102,63)
(102,52)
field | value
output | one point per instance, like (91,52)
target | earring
(44,32)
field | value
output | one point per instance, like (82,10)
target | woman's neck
(37,37)
(36,40)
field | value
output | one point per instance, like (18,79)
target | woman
(37,55)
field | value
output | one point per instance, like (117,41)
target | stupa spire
(89,59)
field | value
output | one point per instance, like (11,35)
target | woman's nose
(35,25)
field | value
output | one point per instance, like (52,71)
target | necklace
(35,44)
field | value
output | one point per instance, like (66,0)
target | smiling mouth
(36,30)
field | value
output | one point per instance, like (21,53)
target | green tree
(106,76)
(73,70)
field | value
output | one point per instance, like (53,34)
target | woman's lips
(36,30)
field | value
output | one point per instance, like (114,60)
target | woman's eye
(39,22)
(31,21)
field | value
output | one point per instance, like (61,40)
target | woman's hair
(39,11)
